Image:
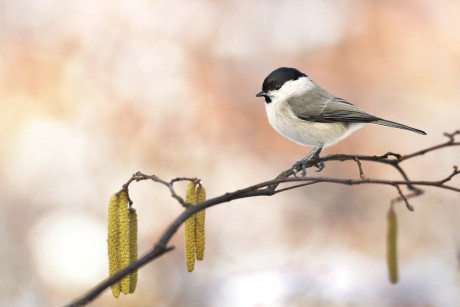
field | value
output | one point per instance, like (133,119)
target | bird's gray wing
(339,110)
(325,108)
(342,111)
(310,107)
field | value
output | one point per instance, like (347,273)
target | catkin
(132,215)
(123,230)
(199,224)
(392,257)
(190,193)
(113,242)
(190,197)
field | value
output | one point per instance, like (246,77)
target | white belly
(303,132)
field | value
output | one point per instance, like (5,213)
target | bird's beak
(261,94)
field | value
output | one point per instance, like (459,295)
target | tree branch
(269,188)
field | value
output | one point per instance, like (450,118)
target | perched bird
(307,114)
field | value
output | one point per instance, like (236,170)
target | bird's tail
(388,123)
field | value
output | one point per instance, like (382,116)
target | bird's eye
(278,87)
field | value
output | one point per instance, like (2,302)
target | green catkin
(132,215)
(392,257)
(199,224)
(190,197)
(113,242)
(123,230)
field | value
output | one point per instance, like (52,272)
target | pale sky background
(93,91)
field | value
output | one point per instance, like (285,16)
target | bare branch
(451,142)
(448,178)
(270,187)
(402,197)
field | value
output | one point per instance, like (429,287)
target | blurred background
(93,91)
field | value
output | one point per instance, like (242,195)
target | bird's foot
(319,165)
(314,157)
(303,164)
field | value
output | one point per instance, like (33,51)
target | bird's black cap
(279,76)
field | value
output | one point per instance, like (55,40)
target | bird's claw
(303,164)
(320,166)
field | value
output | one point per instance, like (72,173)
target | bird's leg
(314,154)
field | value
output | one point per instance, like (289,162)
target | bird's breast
(283,120)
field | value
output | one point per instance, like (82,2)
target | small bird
(307,114)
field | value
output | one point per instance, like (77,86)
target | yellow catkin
(392,257)
(190,197)
(112,241)
(123,232)
(132,215)
(199,224)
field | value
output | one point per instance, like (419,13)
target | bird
(305,113)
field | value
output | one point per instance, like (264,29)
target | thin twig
(451,142)
(361,173)
(402,197)
(448,178)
